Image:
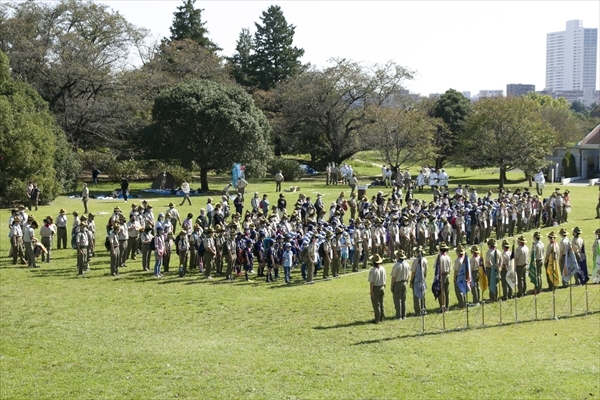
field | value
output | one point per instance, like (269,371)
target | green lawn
(136,337)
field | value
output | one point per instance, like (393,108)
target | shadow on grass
(440,331)
(347,325)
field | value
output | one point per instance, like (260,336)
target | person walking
(85,194)
(185,188)
(124,188)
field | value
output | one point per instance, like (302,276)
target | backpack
(304,254)
(107,243)
(322,250)
(152,244)
(201,248)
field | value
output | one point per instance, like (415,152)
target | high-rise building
(571,58)
(518,89)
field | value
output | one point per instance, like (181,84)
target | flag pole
(570,296)
(587,306)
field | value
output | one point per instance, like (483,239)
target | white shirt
(185,188)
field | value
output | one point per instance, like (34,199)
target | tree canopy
(506,133)
(324,111)
(210,124)
(72,52)
(32,147)
(187,24)
(403,135)
(452,108)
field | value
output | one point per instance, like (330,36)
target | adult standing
(278,181)
(145,239)
(115,257)
(377,288)
(312,258)
(521,260)
(29,241)
(538,256)
(475,262)
(82,241)
(493,261)
(552,266)
(16,238)
(124,188)
(133,232)
(399,276)
(460,296)
(238,203)
(34,198)
(159,251)
(185,188)
(85,194)
(47,232)
(210,250)
(61,229)
(445,264)
(241,187)
(417,281)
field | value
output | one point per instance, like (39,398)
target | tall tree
(403,135)
(274,58)
(187,24)
(505,133)
(72,52)
(452,108)
(32,147)
(210,124)
(324,111)
(241,61)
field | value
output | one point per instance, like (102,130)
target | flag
(463,280)
(511,275)
(571,266)
(596,269)
(483,281)
(436,287)
(419,284)
(552,270)
(582,275)
(533,277)
(493,278)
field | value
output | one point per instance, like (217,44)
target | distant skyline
(468,46)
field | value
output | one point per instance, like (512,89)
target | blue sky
(468,46)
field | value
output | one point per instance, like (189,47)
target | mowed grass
(62,336)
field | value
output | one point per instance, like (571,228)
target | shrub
(290,169)
(569,165)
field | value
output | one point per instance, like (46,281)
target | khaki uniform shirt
(377,276)
(400,271)
(521,255)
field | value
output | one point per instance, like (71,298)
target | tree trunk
(502,176)
(204,179)
(277,146)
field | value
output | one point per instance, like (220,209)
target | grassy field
(63,336)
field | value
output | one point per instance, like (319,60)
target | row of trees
(182,101)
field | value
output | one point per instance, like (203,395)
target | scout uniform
(377,288)
(399,276)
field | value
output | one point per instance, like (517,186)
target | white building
(571,58)
(490,93)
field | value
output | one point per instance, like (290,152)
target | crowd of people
(269,240)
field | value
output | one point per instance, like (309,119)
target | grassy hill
(96,336)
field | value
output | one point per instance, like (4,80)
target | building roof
(592,140)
